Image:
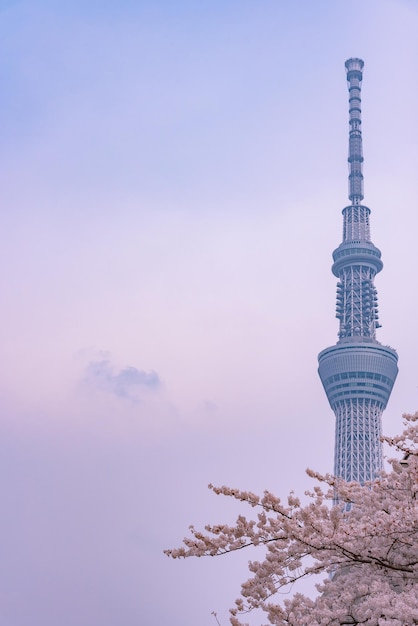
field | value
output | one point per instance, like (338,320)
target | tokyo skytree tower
(357,373)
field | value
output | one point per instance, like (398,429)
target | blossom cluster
(365,547)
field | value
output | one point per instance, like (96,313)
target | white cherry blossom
(365,549)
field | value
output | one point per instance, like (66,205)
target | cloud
(209,406)
(126,383)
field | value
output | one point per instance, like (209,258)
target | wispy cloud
(124,383)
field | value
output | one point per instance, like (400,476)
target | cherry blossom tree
(365,548)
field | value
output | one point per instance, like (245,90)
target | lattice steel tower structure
(357,373)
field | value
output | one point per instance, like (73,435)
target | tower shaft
(357,373)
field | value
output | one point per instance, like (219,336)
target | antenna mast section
(354,69)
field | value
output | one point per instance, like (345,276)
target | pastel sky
(173,175)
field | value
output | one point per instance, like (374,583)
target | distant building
(357,373)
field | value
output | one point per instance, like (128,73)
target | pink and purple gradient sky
(173,175)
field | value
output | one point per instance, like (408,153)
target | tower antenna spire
(357,373)
(354,69)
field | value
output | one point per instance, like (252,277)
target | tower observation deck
(357,373)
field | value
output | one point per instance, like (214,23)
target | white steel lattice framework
(357,373)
